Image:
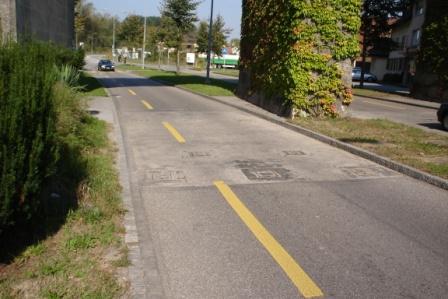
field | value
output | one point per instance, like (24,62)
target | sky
(229,9)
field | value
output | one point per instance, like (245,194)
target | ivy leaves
(297,47)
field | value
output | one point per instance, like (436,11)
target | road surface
(421,117)
(232,206)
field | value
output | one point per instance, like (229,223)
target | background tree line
(176,26)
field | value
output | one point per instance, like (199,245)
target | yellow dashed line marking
(147,105)
(132,92)
(300,279)
(174,132)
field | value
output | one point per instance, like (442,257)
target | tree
(202,38)
(235,43)
(130,32)
(434,46)
(376,25)
(219,35)
(183,15)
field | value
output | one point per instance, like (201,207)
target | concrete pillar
(8,19)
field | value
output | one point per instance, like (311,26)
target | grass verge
(91,86)
(227,72)
(190,82)
(411,146)
(80,256)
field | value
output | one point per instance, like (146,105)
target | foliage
(202,38)
(183,15)
(219,35)
(377,19)
(294,49)
(28,149)
(28,126)
(68,75)
(235,43)
(91,27)
(182,12)
(167,33)
(434,46)
(131,31)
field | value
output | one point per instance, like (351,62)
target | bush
(64,56)
(30,120)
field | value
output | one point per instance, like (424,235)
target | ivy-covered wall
(297,54)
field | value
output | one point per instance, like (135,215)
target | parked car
(442,115)
(106,65)
(368,77)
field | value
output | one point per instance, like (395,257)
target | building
(407,35)
(46,20)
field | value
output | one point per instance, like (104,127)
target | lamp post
(209,54)
(113,39)
(144,43)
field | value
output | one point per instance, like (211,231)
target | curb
(401,168)
(135,273)
(397,102)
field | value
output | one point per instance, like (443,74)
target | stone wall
(46,20)
(7,19)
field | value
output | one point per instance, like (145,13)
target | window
(416,36)
(419,9)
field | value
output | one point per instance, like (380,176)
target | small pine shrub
(29,124)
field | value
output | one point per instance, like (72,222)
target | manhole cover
(192,155)
(367,172)
(256,170)
(164,176)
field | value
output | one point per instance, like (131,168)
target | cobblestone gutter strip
(135,272)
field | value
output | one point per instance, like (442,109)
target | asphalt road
(232,206)
(420,117)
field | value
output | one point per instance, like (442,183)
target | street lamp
(113,39)
(210,30)
(144,42)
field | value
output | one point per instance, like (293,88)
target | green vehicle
(226,61)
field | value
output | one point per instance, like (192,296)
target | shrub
(28,150)
(35,115)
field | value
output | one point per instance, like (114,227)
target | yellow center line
(147,105)
(174,132)
(300,279)
(132,92)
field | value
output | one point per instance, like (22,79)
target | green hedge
(28,149)
(295,49)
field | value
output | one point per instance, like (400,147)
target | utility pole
(113,40)
(209,52)
(144,43)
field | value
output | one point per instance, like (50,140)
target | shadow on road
(183,80)
(435,126)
